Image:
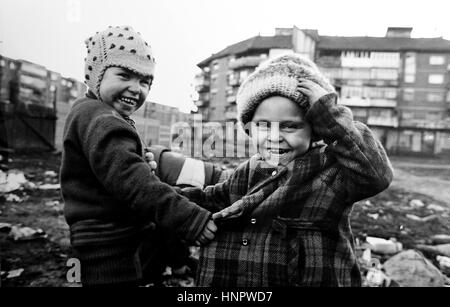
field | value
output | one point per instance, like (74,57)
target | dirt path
(437,188)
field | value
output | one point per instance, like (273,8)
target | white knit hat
(278,77)
(116,46)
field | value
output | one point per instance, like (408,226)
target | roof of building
(254,43)
(367,43)
(383,43)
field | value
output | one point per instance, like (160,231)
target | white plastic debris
(375,216)
(367,255)
(444,264)
(15,273)
(416,203)
(11,181)
(13,198)
(428,218)
(435,207)
(26,233)
(383,246)
(50,174)
(52,203)
(49,186)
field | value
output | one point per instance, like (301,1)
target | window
(215,65)
(408,94)
(213,79)
(437,60)
(448,96)
(2,63)
(434,97)
(385,74)
(410,78)
(436,79)
(432,115)
(410,67)
(407,115)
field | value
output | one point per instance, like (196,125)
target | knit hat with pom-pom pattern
(120,47)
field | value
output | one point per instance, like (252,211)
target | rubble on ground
(394,232)
(411,269)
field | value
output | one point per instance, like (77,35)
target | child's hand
(312,90)
(209,232)
(231,212)
(150,158)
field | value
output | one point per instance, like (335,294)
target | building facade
(397,85)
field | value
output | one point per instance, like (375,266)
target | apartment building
(154,122)
(398,85)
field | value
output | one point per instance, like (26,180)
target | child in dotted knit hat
(284,213)
(112,199)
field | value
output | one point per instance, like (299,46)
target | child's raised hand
(233,211)
(209,232)
(312,90)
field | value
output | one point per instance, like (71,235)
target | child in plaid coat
(284,214)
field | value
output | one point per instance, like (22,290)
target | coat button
(274,173)
(245,242)
(253,221)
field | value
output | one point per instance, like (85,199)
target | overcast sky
(183,33)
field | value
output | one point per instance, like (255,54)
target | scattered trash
(367,255)
(15,273)
(29,185)
(5,227)
(440,239)
(422,219)
(167,271)
(416,203)
(383,246)
(11,181)
(440,249)
(411,269)
(376,278)
(13,198)
(181,271)
(374,216)
(437,208)
(50,174)
(444,264)
(18,233)
(52,203)
(49,186)
(189,282)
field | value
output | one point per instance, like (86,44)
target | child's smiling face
(280,130)
(124,90)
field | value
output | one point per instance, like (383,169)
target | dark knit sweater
(111,196)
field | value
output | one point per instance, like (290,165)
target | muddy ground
(44,259)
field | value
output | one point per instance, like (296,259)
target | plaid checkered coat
(295,230)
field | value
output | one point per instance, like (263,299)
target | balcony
(202,82)
(201,103)
(234,82)
(248,61)
(329,61)
(230,114)
(383,121)
(231,99)
(368,102)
